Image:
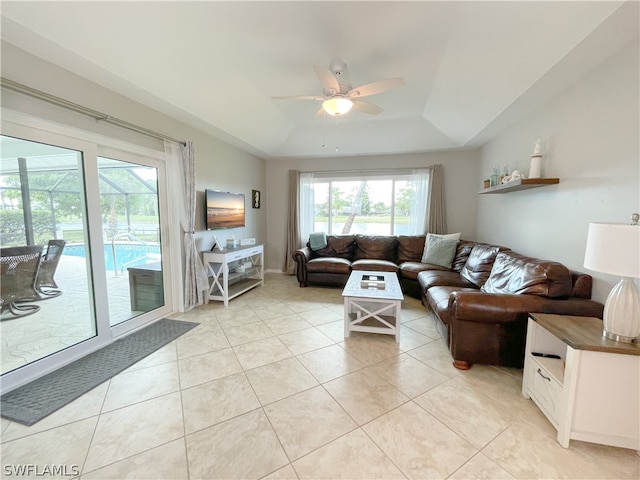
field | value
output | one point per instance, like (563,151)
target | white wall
(461,171)
(592,144)
(219,165)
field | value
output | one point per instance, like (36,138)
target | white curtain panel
(418,215)
(306,208)
(182,165)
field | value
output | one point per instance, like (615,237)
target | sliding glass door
(131,233)
(93,215)
(43,204)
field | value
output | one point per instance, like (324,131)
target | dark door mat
(38,399)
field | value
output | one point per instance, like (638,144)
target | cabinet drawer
(150,279)
(545,390)
(232,257)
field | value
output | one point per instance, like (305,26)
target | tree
(381,208)
(337,202)
(404,199)
(366,201)
(356,206)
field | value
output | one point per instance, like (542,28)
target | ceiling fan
(339,97)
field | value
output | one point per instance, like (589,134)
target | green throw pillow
(440,251)
(448,236)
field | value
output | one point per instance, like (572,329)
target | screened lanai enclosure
(54,257)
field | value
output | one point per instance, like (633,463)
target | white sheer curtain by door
(307,207)
(182,165)
(420,201)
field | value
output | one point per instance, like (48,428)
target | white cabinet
(233,271)
(592,392)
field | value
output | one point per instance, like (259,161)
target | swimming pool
(127,254)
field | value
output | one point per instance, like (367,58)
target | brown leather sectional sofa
(481,302)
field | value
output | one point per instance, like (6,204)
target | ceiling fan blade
(319,114)
(366,107)
(327,79)
(298,97)
(376,87)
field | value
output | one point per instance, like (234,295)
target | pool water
(127,254)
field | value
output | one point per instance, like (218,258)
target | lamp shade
(613,249)
(337,105)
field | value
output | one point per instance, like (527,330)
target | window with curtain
(389,202)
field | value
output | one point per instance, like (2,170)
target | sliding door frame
(19,125)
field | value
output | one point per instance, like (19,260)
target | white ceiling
(470,67)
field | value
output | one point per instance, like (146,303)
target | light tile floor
(269,388)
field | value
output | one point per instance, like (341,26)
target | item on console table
(372,281)
(231,242)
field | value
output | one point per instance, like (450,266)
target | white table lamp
(615,249)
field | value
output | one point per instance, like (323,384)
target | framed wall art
(255,198)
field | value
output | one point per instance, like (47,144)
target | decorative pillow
(448,236)
(440,251)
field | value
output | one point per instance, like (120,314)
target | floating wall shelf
(522,184)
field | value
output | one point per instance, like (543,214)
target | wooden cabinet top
(583,333)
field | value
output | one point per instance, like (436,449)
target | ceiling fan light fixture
(337,105)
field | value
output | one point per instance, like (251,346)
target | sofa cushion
(375,247)
(329,265)
(462,254)
(479,264)
(440,251)
(374,265)
(516,274)
(411,270)
(582,285)
(438,278)
(453,236)
(340,246)
(410,248)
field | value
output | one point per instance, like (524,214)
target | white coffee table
(372,310)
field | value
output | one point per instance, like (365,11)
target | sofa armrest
(504,308)
(301,257)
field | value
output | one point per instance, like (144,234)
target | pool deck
(64,320)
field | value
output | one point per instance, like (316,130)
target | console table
(592,391)
(228,275)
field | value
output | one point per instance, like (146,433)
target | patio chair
(45,284)
(18,275)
